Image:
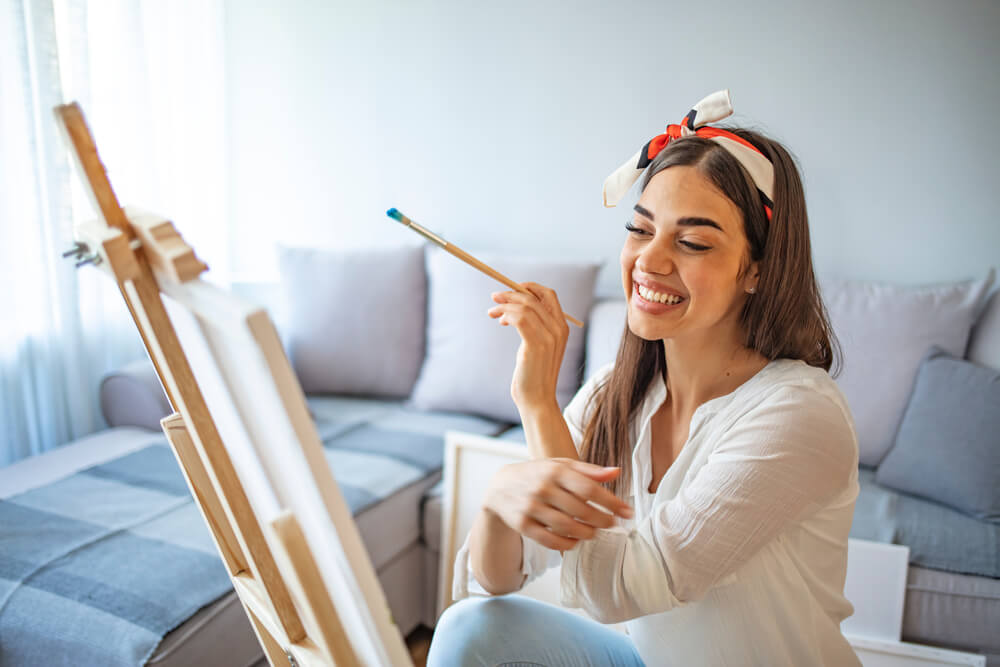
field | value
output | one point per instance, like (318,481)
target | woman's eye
(632,228)
(695,246)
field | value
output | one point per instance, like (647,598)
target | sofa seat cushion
(939,538)
(385,456)
(955,611)
(431,518)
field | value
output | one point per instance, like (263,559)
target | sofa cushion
(355,319)
(946,448)
(954,610)
(514,434)
(939,537)
(133,396)
(984,343)
(385,455)
(604,333)
(884,332)
(431,517)
(470,356)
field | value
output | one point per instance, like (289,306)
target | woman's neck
(708,367)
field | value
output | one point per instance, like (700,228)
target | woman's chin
(646,330)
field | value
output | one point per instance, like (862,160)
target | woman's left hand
(539,319)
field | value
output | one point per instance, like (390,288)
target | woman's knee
(468,631)
(475,618)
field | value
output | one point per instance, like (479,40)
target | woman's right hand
(547,500)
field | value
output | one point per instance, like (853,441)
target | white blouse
(740,556)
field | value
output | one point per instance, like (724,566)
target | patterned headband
(713,108)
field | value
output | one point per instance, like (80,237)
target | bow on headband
(713,108)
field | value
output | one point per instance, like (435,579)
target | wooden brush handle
(496,275)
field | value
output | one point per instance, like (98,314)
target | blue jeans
(517,631)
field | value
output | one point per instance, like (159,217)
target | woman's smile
(655,302)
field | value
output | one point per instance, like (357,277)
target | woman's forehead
(684,192)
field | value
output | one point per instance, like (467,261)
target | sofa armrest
(132,396)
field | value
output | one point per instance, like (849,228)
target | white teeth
(650,295)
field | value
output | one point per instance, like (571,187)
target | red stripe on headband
(659,142)
(709,132)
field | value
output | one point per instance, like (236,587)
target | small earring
(752,290)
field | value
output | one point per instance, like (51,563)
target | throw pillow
(355,319)
(470,356)
(984,341)
(884,331)
(604,333)
(948,445)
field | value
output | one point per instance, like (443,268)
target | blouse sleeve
(537,559)
(784,459)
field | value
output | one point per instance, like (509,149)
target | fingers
(539,298)
(578,478)
(547,296)
(569,504)
(547,538)
(559,522)
(524,319)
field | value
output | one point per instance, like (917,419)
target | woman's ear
(751,277)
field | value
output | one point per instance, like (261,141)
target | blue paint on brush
(395,214)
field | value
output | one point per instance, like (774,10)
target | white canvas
(876,586)
(262,419)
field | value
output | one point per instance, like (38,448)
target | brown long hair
(785,319)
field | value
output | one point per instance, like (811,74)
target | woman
(720,447)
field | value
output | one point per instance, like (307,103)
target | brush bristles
(395,214)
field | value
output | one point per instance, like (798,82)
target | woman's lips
(652,307)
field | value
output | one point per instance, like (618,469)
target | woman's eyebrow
(699,222)
(689,221)
(644,212)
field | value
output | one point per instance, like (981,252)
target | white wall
(495,124)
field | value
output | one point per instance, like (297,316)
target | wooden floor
(419,642)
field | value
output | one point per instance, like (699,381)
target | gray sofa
(397,498)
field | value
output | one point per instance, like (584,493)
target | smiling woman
(700,233)
(717,441)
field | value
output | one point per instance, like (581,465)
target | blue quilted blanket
(97,567)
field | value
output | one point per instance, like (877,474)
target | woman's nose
(655,260)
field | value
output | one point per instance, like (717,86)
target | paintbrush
(464,256)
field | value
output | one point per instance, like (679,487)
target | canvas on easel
(244,439)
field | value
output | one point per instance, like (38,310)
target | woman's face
(682,259)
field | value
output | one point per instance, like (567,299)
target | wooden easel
(272,567)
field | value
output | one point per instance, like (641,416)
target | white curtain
(149,76)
